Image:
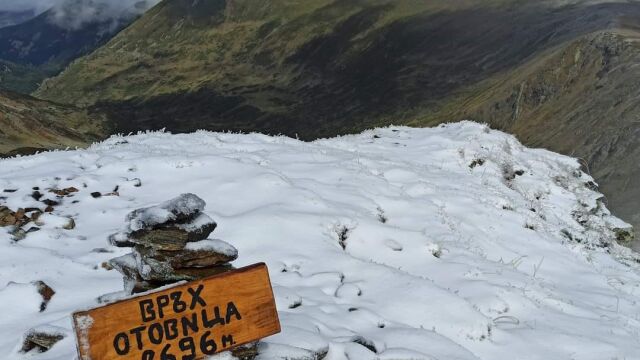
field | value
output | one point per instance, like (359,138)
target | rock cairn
(170,243)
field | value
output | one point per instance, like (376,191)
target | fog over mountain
(75,13)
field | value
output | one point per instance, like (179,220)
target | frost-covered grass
(447,243)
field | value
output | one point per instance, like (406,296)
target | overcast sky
(25,4)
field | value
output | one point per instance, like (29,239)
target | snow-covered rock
(214,245)
(179,209)
(167,226)
(448,243)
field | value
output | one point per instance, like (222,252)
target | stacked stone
(170,243)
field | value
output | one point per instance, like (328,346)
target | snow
(454,242)
(215,245)
(201,221)
(26,294)
(49,220)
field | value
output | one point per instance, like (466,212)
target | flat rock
(178,210)
(174,237)
(203,253)
(153,270)
(133,281)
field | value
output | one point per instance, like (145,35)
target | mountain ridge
(322,68)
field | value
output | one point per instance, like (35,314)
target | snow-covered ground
(448,243)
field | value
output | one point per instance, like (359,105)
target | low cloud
(24,5)
(75,13)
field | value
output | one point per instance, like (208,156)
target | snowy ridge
(448,243)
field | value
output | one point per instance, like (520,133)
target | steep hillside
(28,125)
(324,67)
(23,78)
(580,99)
(42,46)
(313,68)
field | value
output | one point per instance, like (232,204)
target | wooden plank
(188,321)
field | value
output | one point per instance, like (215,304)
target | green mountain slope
(28,125)
(315,68)
(319,68)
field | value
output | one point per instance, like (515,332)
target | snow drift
(448,243)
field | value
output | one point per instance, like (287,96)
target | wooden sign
(185,322)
